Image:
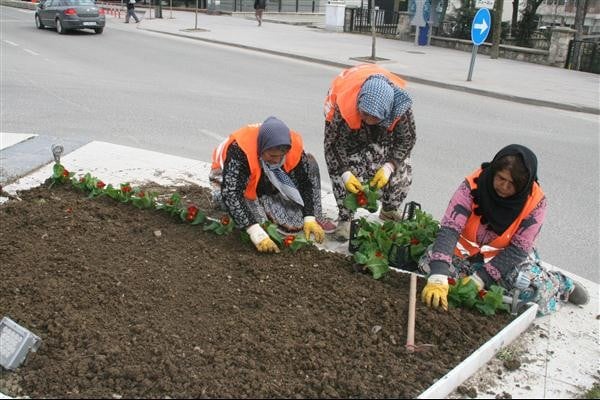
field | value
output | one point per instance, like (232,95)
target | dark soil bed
(126,312)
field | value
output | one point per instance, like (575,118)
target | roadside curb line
(423,81)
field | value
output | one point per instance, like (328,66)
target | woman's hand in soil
(351,182)
(261,239)
(267,246)
(435,293)
(311,226)
(382,176)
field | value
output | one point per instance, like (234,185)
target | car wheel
(38,22)
(59,28)
(99,30)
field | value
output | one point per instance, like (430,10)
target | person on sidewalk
(259,8)
(488,235)
(131,12)
(369,134)
(262,173)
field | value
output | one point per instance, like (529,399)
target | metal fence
(360,19)
(589,56)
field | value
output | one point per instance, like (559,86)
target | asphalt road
(182,97)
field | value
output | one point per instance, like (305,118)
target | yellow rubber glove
(267,246)
(311,226)
(435,293)
(475,278)
(382,176)
(261,239)
(352,183)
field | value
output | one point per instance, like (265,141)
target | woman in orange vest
(261,172)
(369,135)
(488,234)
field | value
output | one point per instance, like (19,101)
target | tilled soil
(125,311)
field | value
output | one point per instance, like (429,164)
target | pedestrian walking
(259,8)
(488,234)
(369,135)
(131,12)
(262,173)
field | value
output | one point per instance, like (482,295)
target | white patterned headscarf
(382,99)
(274,133)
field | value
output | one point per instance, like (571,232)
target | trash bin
(423,33)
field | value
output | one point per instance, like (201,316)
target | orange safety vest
(247,139)
(345,88)
(467,245)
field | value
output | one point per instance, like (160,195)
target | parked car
(69,14)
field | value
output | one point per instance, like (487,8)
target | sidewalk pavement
(500,78)
(559,353)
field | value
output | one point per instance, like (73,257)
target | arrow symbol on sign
(483,26)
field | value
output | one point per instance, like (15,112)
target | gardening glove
(522,282)
(352,184)
(261,239)
(382,176)
(311,226)
(435,293)
(475,278)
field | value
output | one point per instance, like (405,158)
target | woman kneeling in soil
(261,173)
(488,234)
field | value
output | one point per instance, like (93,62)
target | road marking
(11,43)
(31,52)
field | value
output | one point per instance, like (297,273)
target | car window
(77,2)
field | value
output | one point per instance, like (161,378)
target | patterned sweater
(453,222)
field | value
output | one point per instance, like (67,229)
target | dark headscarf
(273,133)
(498,212)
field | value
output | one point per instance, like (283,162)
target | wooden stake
(412,300)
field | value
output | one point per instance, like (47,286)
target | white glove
(261,239)
(522,282)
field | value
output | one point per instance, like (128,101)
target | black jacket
(260,4)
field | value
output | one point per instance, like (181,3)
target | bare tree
(496,29)
(579,22)
(528,23)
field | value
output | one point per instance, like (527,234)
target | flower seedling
(223,226)
(60,174)
(295,242)
(172,206)
(366,198)
(461,294)
(192,215)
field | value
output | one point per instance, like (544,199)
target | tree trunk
(579,21)
(515,16)
(496,29)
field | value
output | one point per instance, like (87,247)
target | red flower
(126,189)
(481,294)
(100,185)
(451,281)
(225,220)
(378,254)
(289,240)
(414,241)
(81,180)
(65,173)
(361,199)
(191,213)
(141,194)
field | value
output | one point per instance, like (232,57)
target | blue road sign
(481,26)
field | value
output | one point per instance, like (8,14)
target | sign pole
(473,55)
